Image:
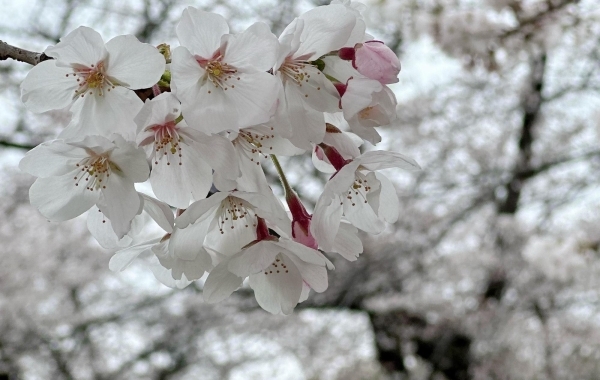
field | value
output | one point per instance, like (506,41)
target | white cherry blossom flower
(364,198)
(230,219)
(176,258)
(182,158)
(220,78)
(253,145)
(367,104)
(73,176)
(306,91)
(95,80)
(279,271)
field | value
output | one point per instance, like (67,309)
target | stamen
(235,212)
(91,78)
(94,170)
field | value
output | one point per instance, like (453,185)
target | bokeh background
(492,271)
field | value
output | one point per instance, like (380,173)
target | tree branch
(33,58)
(9,144)
(531,105)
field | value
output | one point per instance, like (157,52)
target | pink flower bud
(375,60)
(300,221)
(301,234)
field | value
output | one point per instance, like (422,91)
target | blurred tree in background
(492,271)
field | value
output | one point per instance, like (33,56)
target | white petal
(304,253)
(254,258)
(220,283)
(74,130)
(83,46)
(191,269)
(253,177)
(186,76)
(201,31)
(367,133)
(317,92)
(249,103)
(179,184)
(347,243)
(101,229)
(58,199)
(308,126)
(314,275)
(121,259)
(160,212)
(52,158)
(326,221)
(254,48)
(232,240)
(113,112)
(161,109)
(289,40)
(130,161)
(326,28)
(164,275)
(97,144)
(200,210)
(380,159)
(340,69)
(359,95)
(133,64)
(119,202)
(305,292)
(47,87)
(343,179)
(362,216)
(389,205)
(186,244)
(278,292)
(281,147)
(217,151)
(345,143)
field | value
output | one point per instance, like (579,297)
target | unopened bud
(165,50)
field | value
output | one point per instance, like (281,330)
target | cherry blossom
(230,219)
(364,198)
(174,258)
(220,78)
(374,60)
(279,272)
(306,91)
(367,104)
(73,176)
(182,158)
(252,146)
(95,80)
(228,102)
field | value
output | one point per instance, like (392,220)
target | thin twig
(8,51)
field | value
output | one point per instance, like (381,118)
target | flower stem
(284,182)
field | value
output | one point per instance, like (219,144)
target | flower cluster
(221,103)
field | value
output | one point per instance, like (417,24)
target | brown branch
(531,105)
(9,144)
(528,25)
(33,58)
